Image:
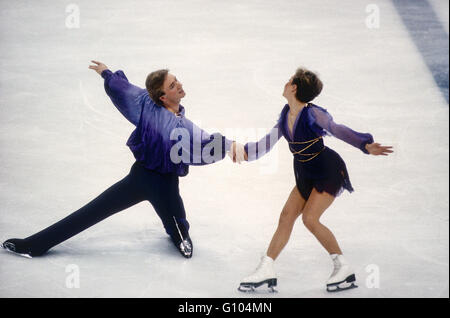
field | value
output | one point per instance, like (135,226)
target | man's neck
(174,108)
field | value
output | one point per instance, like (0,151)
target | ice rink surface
(63,143)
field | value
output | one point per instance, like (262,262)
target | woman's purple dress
(315,165)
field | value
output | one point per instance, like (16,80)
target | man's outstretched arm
(195,146)
(127,97)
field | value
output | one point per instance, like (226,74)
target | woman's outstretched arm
(255,150)
(362,141)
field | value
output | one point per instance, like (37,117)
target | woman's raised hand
(378,150)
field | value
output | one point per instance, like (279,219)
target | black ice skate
(18,247)
(185,247)
(182,242)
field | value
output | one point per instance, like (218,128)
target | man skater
(164,144)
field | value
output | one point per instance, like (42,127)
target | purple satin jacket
(162,141)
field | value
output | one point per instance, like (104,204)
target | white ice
(63,143)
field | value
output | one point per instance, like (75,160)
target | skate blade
(252,287)
(19,254)
(348,283)
(341,287)
(246,289)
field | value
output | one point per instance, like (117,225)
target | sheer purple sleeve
(127,97)
(256,150)
(323,119)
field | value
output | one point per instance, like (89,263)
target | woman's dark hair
(154,84)
(308,84)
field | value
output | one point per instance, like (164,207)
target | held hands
(237,153)
(376,149)
(99,67)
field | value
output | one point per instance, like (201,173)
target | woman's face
(289,89)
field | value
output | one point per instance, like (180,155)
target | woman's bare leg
(291,210)
(314,208)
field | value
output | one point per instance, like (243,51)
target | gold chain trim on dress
(311,154)
(300,152)
(305,142)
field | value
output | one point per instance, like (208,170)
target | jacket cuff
(363,145)
(228,144)
(106,73)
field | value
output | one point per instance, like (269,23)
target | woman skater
(161,157)
(320,175)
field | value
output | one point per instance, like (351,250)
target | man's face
(173,90)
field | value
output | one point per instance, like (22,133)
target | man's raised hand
(99,67)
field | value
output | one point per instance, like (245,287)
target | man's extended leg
(116,198)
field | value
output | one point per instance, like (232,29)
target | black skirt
(326,172)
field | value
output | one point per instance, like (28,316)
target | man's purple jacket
(162,141)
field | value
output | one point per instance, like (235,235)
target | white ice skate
(264,274)
(343,276)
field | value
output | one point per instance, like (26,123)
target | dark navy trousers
(141,184)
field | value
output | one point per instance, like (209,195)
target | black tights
(161,190)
